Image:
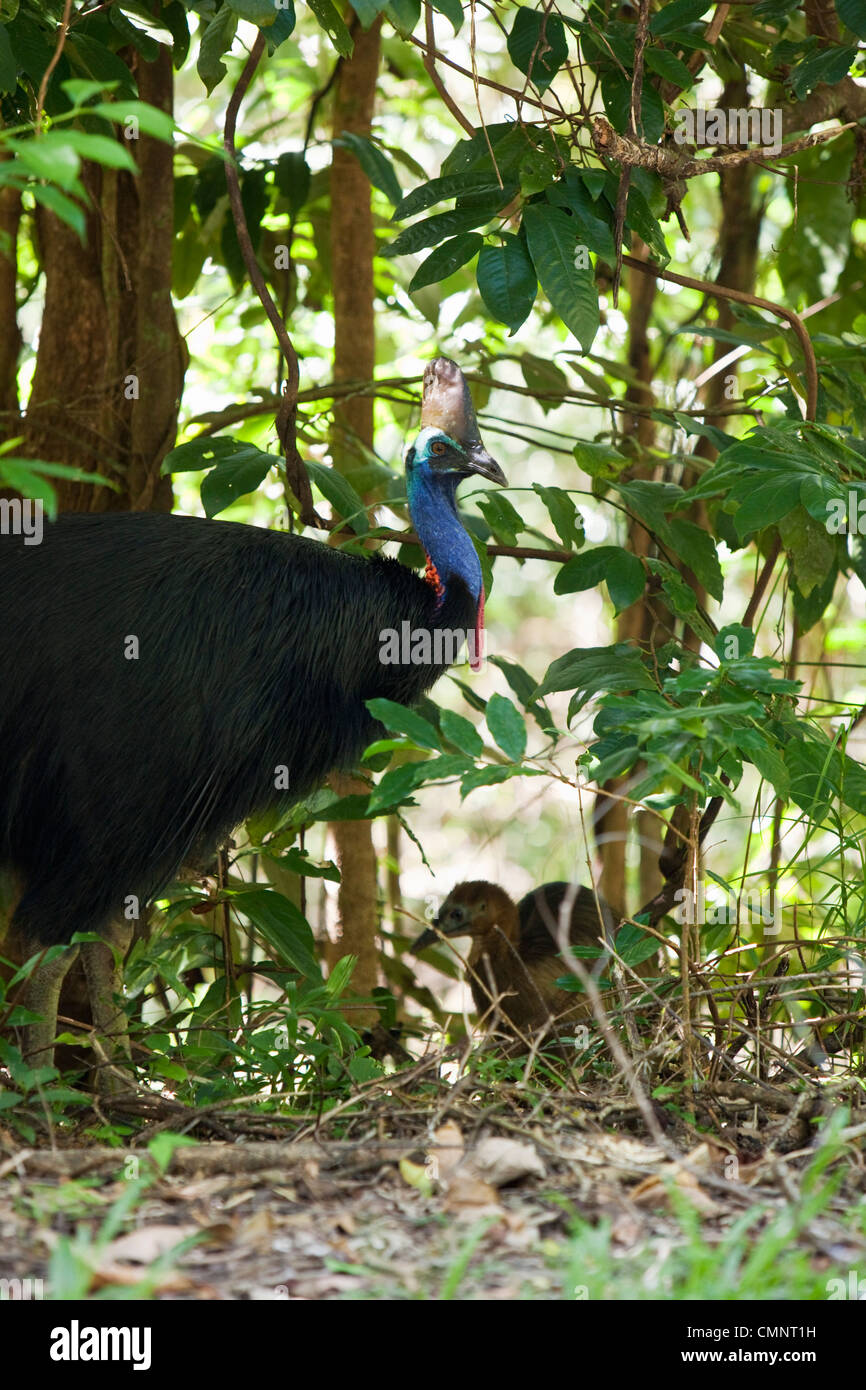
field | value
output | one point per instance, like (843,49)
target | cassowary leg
(42,996)
(102,961)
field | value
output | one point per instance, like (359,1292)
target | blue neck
(433,509)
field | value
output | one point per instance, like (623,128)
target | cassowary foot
(41,996)
(104,977)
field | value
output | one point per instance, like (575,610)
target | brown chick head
(472,909)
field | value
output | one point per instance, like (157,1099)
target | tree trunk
(352,251)
(109,370)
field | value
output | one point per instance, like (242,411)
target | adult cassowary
(164,676)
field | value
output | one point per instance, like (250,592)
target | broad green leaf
(668,66)
(616,94)
(149,118)
(622,572)
(405,721)
(283,926)
(215,41)
(453,10)
(537,45)
(438,190)
(507,281)
(447,258)
(599,460)
(675,15)
(553,240)
(404,15)
(697,549)
(375,163)
(431,230)
(590,670)
(101,150)
(767,502)
(368,11)
(341,495)
(462,733)
(507,726)
(292,177)
(334,25)
(853,15)
(566,519)
(260,12)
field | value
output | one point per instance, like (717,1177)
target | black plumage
(164,677)
(161,674)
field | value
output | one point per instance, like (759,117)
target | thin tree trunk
(109,370)
(352,251)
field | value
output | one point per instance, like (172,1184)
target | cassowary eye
(437,447)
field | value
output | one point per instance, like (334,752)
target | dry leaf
(501,1161)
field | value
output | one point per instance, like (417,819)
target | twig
(55,59)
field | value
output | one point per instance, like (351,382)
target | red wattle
(477,660)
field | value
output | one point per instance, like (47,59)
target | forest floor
(421,1190)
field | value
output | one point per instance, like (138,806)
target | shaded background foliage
(673,622)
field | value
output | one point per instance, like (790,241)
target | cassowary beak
(427,938)
(430,937)
(481,463)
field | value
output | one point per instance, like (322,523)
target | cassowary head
(450,441)
(472,909)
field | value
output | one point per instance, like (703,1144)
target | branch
(740,297)
(55,59)
(669,164)
(429,61)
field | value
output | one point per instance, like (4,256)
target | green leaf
(260,12)
(215,41)
(490,776)
(150,119)
(828,65)
(507,281)
(633,945)
(567,521)
(853,15)
(332,22)
(734,642)
(101,150)
(453,10)
(537,45)
(431,230)
(337,490)
(447,258)
(401,781)
(292,178)
(404,15)
(599,460)
(502,516)
(622,572)
(616,94)
(236,468)
(668,66)
(639,218)
(552,237)
(506,724)
(675,15)
(462,733)
(438,190)
(697,549)
(375,163)
(368,11)
(283,926)
(589,670)
(405,721)
(767,502)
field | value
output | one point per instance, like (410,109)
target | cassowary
(514,960)
(163,677)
